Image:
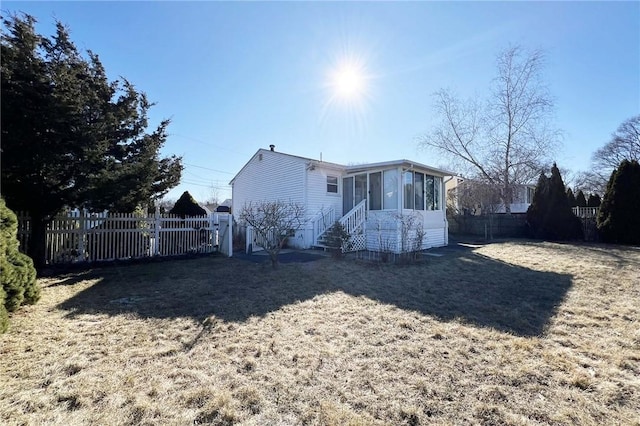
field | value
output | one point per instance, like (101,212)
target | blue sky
(235,77)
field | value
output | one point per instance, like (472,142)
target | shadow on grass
(458,285)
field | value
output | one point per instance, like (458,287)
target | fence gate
(588,216)
(254,241)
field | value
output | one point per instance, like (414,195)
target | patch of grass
(510,333)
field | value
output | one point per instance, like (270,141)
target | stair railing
(355,217)
(323,221)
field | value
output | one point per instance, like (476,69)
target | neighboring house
(372,201)
(522,198)
(472,197)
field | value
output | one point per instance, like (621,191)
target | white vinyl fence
(586,212)
(86,237)
(255,241)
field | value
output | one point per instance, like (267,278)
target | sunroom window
(418,187)
(429,194)
(437,186)
(390,201)
(407,183)
(375,191)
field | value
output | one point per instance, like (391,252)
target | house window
(418,190)
(390,199)
(332,184)
(407,183)
(429,195)
(375,191)
(437,189)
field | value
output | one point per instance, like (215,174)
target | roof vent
(272,147)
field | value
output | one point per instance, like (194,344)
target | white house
(373,201)
(522,198)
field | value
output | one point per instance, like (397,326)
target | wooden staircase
(353,222)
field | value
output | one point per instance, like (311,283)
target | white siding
(317,196)
(286,178)
(269,176)
(435,228)
(383,233)
(384,230)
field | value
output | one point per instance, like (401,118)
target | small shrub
(17,273)
(338,240)
(187,206)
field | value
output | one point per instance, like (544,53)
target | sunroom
(403,203)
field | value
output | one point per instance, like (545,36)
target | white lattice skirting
(358,242)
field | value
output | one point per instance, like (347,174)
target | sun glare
(348,82)
(348,92)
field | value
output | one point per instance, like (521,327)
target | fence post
(82,233)
(212,231)
(249,240)
(230,234)
(156,227)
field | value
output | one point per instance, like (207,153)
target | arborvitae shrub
(571,198)
(549,216)
(4,315)
(17,274)
(538,207)
(594,200)
(187,206)
(581,201)
(618,217)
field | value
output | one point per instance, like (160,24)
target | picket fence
(93,237)
(588,217)
(586,212)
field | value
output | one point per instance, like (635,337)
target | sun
(348,82)
(349,91)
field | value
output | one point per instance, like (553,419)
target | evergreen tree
(187,206)
(571,198)
(581,201)
(618,217)
(539,205)
(550,216)
(70,137)
(18,284)
(593,200)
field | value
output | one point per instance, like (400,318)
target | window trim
(331,184)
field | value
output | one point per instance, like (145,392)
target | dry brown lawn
(515,333)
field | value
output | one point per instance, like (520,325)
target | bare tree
(506,140)
(624,145)
(273,222)
(475,197)
(590,182)
(214,197)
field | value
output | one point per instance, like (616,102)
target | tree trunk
(506,194)
(38,242)
(274,259)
